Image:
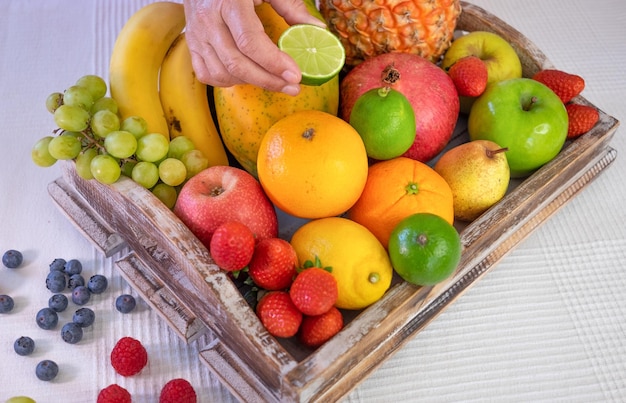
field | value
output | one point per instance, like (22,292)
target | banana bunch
(150,75)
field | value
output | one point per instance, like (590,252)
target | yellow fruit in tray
(357,260)
(245,112)
(368,28)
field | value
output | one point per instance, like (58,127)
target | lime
(317,51)
(385,120)
(424,249)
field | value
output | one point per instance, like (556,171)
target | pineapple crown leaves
(315,263)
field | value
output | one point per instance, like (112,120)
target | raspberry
(178,391)
(128,357)
(114,394)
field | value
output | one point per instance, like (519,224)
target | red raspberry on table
(114,394)
(273,265)
(278,314)
(317,330)
(581,119)
(129,356)
(469,75)
(314,291)
(178,391)
(565,85)
(232,245)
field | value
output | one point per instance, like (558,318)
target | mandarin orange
(396,189)
(312,164)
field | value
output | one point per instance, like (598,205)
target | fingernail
(291,77)
(291,89)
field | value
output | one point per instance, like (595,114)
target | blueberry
(47,318)
(74,281)
(47,370)
(24,345)
(84,317)
(58,302)
(71,333)
(125,303)
(57,264)
(97,284)
(55,281)
(73,266)
(12,259)
(80,295)
(6,304)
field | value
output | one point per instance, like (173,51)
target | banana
(136,59)
(186,105)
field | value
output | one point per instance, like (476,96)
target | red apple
(224,193)
(428,88)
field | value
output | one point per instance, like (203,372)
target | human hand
(229,46)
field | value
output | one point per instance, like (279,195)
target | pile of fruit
(360,155)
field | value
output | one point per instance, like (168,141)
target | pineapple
(370,27)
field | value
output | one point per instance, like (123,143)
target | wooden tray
(174,272)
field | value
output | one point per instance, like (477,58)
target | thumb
(295,12)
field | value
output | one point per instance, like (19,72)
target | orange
(396,189)
(312,164)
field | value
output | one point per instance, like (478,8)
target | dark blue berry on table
(74,281)
(47,370)
(97,284)
(6,303)
(73,266)
(56,281)
(24,345)
(71,333)
(12,259)
(57,264)
(47,318)
(125,303)
(58,302)
(84,317)
(81,295)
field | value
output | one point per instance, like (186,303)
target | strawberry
(317,330)
(314,291)
(565,85)
(178,391)
(273,265)
(129,356)
(114,393)
(469,75)
(581,119)
(278,314)
(232,245)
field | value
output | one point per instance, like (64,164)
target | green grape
(96,86)
(172,171)
(136,125)
(78,96)
(127,167)
(194,161)
(71,118)
(64,147)
(166,193)
(53,101)
(40,154)
(146,174)
(104,103)
(104,122)
(152,147)
(179,146)
(83,163)
(105,169)
(120,144)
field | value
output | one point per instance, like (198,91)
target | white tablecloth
(548,323)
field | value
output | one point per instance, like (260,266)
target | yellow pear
(478,174)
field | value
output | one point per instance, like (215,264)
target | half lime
(317,51)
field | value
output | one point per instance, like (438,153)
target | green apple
(498,55)
(524,116)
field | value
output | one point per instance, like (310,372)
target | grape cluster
(105,147)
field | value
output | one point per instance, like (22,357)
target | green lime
(385,120)
(317,51)
(424,249)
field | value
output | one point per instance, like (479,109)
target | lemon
(356,258)
(317,51)
(385,120)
